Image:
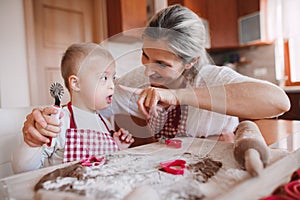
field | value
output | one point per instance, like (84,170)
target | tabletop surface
(20,186)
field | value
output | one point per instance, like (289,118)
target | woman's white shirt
(200,122)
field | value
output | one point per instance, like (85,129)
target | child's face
(97,83)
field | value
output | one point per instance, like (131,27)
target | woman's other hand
(39,125)
(151,97)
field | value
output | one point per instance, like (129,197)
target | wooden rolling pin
(250,149)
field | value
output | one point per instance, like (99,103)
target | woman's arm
(252,100)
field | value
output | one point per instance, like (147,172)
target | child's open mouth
(109,99)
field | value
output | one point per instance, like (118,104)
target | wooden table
(20,186)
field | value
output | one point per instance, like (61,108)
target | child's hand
(123,138)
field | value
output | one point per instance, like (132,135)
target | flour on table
(121,173)
(206,174)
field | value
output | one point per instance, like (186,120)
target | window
(283,27)
(292,61)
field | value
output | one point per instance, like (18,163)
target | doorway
(52,26)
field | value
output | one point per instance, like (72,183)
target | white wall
(127,55)
(14,84)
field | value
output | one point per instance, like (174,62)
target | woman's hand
(123,138)
(150,97)
(39,125)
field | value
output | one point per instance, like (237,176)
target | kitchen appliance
(250,28)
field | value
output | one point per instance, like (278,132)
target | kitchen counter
(293,94)
(280,133)
(291,89)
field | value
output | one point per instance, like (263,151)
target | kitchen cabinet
(123,15)
(247,7)
(294,112)
(197,6)
(222,17)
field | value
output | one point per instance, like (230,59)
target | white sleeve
(26,158)
(211,75)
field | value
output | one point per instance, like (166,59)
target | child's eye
(103,78)
(114,77)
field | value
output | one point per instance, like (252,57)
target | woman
(180,92)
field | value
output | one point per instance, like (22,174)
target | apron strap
(109,130)
(73,124)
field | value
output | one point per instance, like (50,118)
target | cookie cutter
(176,143)
(292,189)
(175,167)
(93,161)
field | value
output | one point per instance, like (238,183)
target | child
(88,71)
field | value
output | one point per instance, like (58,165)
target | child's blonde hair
(76,55)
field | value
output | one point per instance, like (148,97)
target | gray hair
(185,34)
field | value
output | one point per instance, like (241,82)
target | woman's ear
(192,63)
(74,83)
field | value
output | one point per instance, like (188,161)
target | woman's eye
(114,77)
(145,56)
(161,64)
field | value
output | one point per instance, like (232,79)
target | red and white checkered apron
(83,143)
(170,122)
